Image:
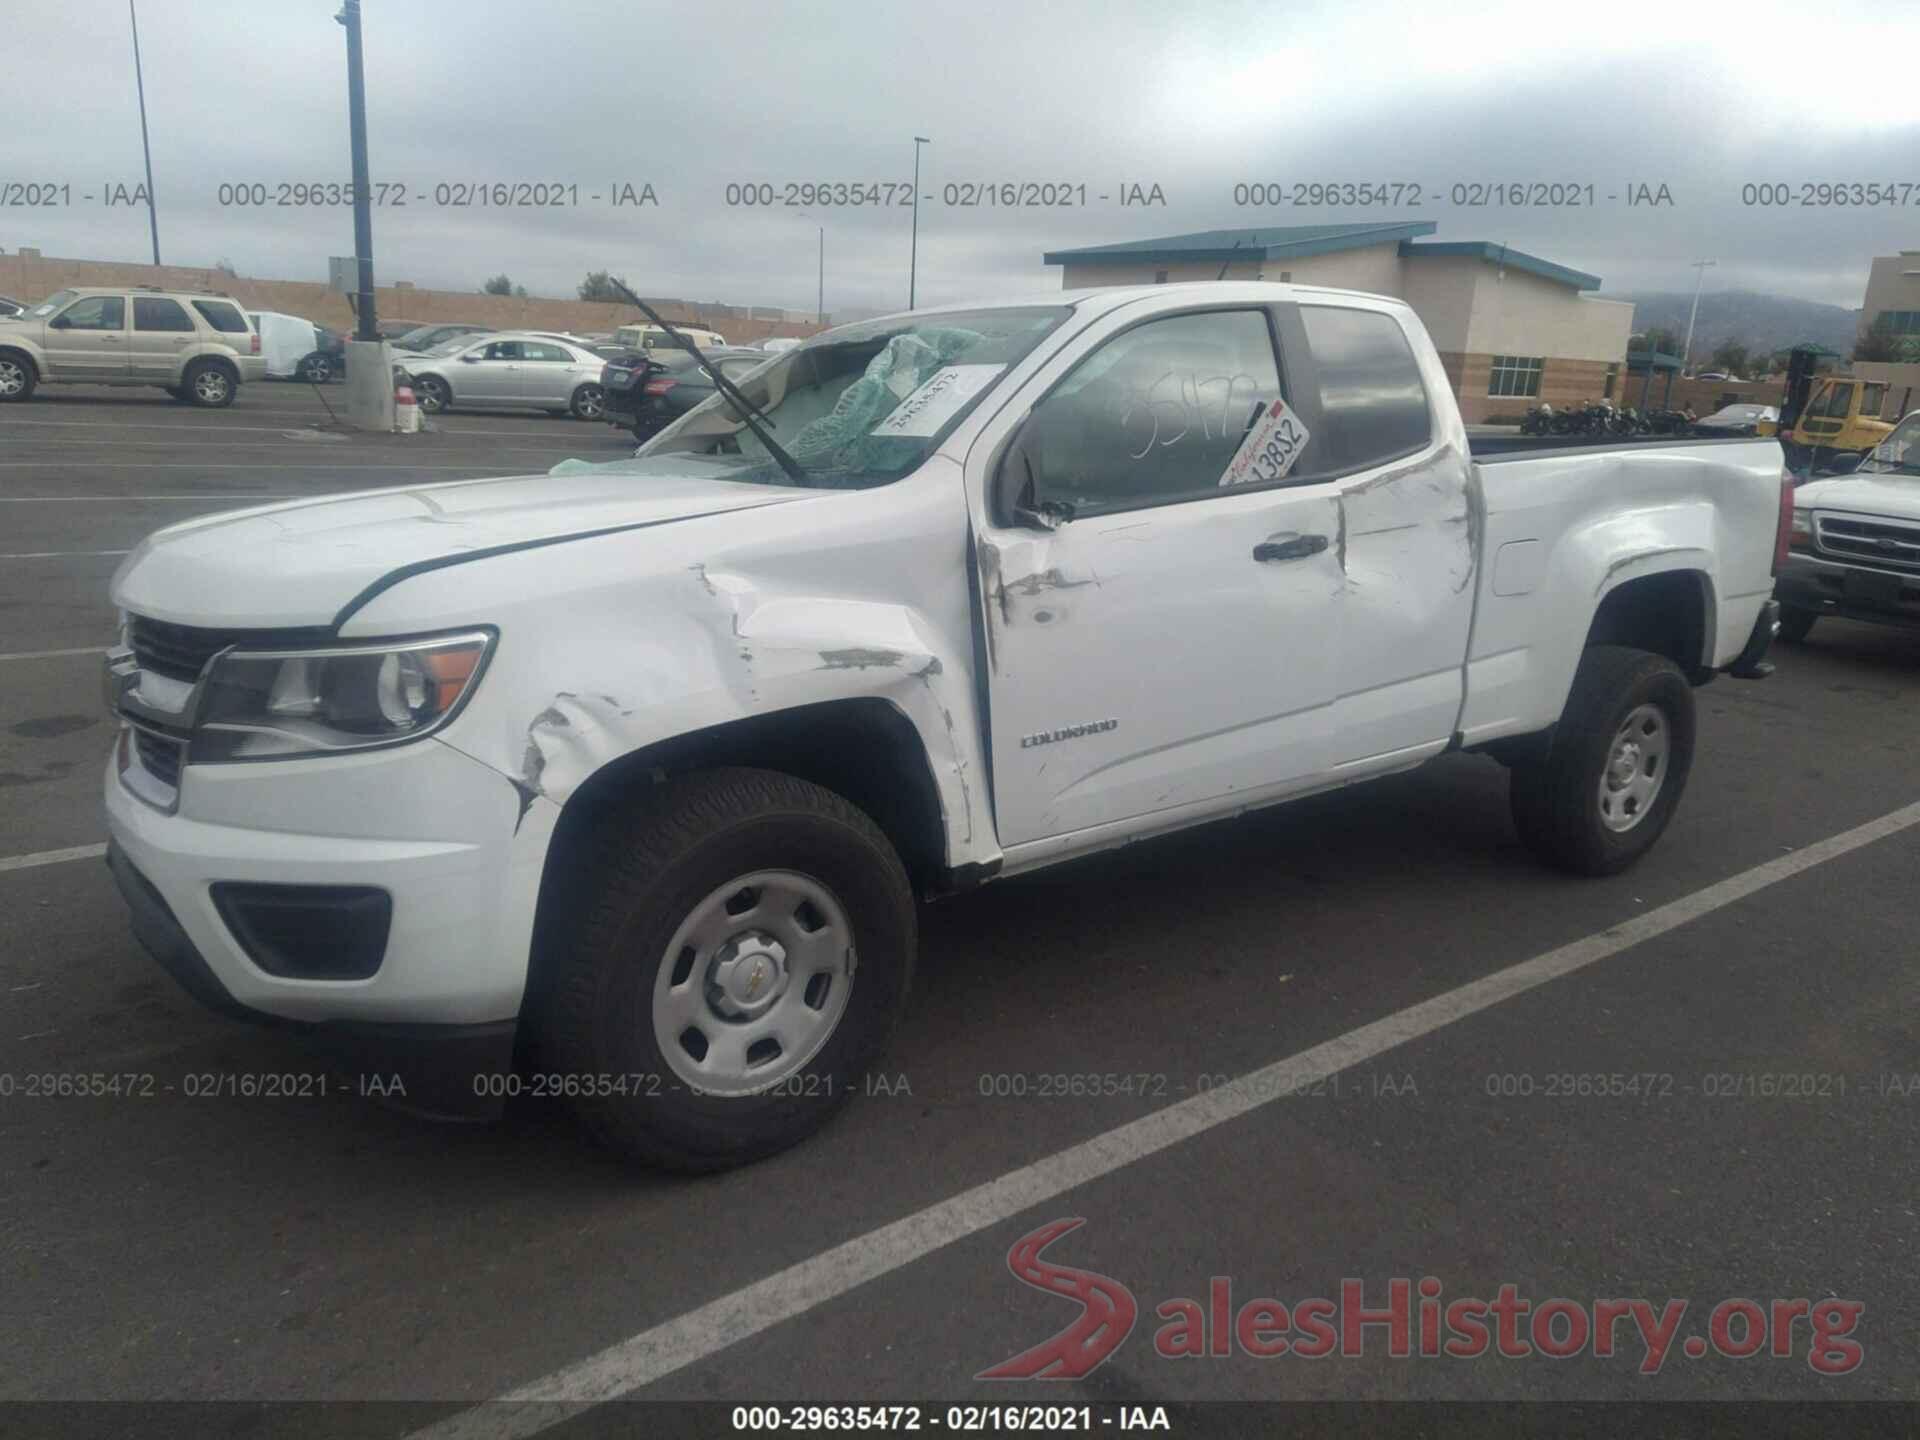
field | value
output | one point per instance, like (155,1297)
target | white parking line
(633,1363)
(54,654)
(59,554)
(51,857)
(168,465)
(212,495)
(439,426)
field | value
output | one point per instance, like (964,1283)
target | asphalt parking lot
(170,1246)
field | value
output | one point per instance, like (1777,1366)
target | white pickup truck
(1855,544)
(632,773)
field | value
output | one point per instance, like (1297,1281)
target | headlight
(1800,531)
(262,705)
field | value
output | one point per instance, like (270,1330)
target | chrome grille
(180,652)
(1888,544)
(159,756)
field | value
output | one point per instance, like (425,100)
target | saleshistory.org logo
(1415,1320)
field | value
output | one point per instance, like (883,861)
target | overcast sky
(1192,98)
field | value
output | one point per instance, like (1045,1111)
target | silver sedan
(512,369)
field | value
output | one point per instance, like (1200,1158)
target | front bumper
(441,1072)
(1854,592)
(448,838)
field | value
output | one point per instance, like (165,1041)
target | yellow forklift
(1823,417)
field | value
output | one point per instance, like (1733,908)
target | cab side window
(96,312)
(502,350)
(1153,416)
(533,350)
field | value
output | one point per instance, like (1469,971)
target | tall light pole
(820,301)
(1686,351)
(913,259)
(349,16)
(140,85)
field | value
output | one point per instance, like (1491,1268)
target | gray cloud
(690,99)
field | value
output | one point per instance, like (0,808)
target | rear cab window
(1372,400)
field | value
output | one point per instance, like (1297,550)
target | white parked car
(780,344)
(285,341)
(652,760)
(509,369)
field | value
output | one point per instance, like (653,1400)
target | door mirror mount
(59,322)
(1012,491)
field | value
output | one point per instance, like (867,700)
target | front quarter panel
(611,644)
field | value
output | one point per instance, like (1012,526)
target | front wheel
(1600,794)
(743,952)
(1795,623)
(432,395)
(316,369)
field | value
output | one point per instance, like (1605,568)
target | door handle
(1297,548)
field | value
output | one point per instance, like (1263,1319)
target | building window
(1286,277)
(1515,375)
(1159,277)
(1900,322)
(1613,374)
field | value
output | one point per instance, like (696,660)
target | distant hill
(1765,322)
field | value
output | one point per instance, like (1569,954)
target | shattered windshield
(1899,453)
(861,405)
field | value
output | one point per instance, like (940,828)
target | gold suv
(196,345)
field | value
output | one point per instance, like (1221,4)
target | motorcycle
(1539,421)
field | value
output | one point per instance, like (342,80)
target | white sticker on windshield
(938,400)
(1270,449)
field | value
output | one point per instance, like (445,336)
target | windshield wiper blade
(751,414)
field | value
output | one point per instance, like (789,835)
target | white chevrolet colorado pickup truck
(632,772)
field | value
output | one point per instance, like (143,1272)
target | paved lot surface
(172,1247)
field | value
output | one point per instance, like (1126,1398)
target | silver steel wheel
(753,982)
(431,395)
(589,402)
(1636,768)
(319,370)
(210,386)
(13,378)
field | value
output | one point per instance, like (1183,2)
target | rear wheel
(209,385)
(1599,795)
(17,377)
(1795,623)
(589,402)
(743,953)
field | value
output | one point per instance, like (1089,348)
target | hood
(1894,496)
(300,563)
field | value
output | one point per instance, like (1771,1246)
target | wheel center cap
(749,974)
(1626,764)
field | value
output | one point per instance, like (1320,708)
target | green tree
(599,286)
(1879,343)
(498,285)
(1658,338)
(1732,356)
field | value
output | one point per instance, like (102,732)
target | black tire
(1795,623)
(17,376)
(209,385)
(432,394)
(1556,793)
(316,369)
(589,402)
(652,870)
